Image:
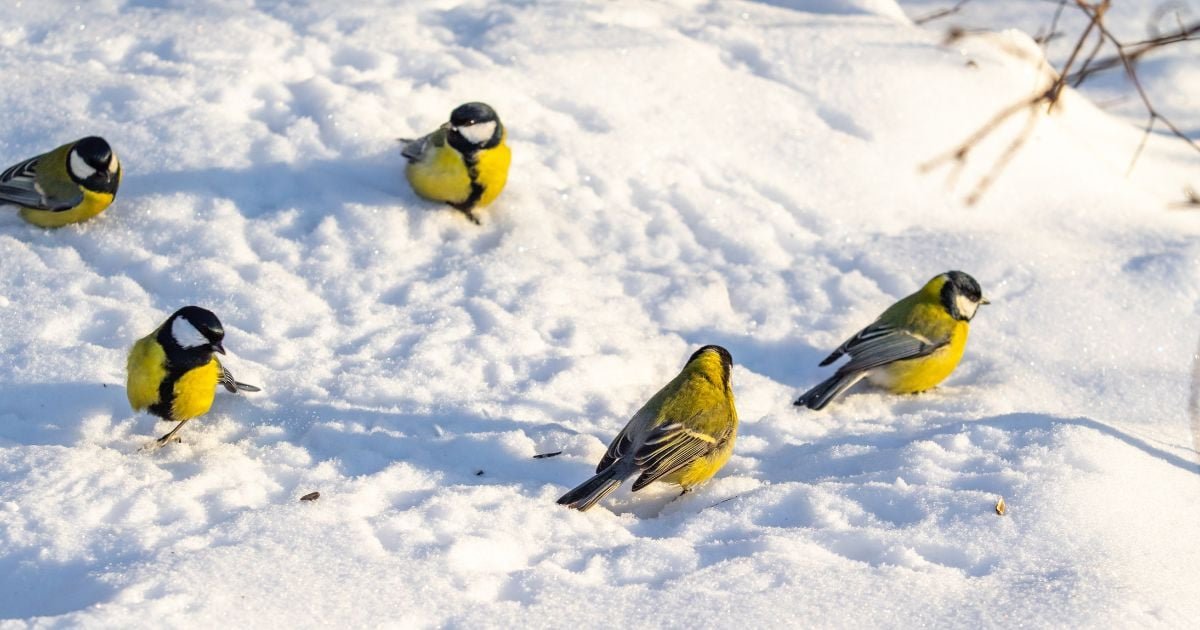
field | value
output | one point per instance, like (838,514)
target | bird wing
(414,150)
(18,184)
(231,385)
(880,344)
(866,334)
(619,446)
(669,448)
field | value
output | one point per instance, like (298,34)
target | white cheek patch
(479,133)
(966,306)
(79,168)
(186,335)
(113,164)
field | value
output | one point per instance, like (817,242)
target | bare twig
(1135,51)
(1011,151)
(1090,58)
(1126,56)
(1052,31)
(960,152)
(1056,89)
(1154,114)
(941,13)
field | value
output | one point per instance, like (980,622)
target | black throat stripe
(471,161)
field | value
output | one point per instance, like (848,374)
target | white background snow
(741,173)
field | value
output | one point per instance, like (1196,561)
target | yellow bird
(172,371)
(683,435)
(72,183)
(464,163)
(914,345)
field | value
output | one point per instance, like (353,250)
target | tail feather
(589,493)
(233,386)
(832,387)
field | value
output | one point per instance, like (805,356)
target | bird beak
(984,301)
(218,348)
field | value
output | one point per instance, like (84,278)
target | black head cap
(471,113)
(95,151)
(961,284)
(726,358)
(100,169)
(202,321)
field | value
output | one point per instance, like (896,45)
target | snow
(683,173)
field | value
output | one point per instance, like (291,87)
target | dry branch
(1126,56)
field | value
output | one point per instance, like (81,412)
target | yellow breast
(195,390)
(93,204)
(918,375)
(442,174)
(492,170)
(192,394)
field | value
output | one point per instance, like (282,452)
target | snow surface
(683,173)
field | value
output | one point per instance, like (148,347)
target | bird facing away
(72,183)
(683,435)
(464,163)
(173,373)
(914,345)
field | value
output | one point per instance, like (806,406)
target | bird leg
(162,441)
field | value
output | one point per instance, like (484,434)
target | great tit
(464,163)
(172,371)
(912,346)
(72,183)
(683,435)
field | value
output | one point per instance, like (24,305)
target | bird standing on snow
(72,183)
(464,163)
(683,435)
(912,346)
(172,371)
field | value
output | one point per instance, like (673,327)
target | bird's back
(921,313)
(52,178)
(717,420)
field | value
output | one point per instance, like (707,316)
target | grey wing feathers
(232,386)
(414,150)
(26,170)
(866,334)
(18,184)
(885,345)
(668,449)
(21,197)
(620,445)
(875,346)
